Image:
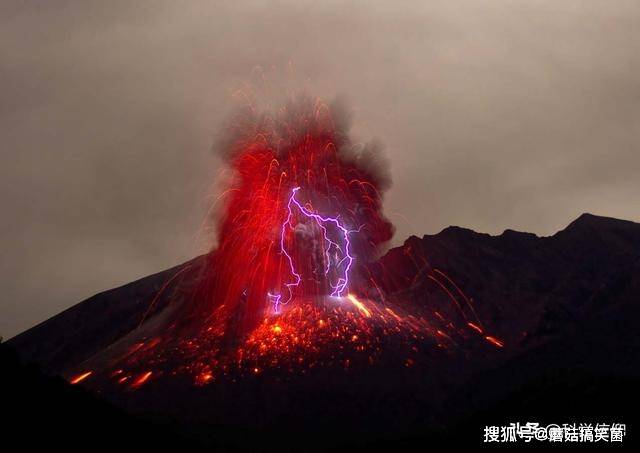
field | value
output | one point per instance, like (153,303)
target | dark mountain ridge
(524,286)
(565,306)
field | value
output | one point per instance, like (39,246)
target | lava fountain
(302,214)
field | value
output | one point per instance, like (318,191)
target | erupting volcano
(303,211)
(292,284)
(298,319)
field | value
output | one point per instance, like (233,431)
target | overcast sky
(495,114)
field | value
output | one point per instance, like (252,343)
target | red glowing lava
(301,188)
(289,288)
(81,377)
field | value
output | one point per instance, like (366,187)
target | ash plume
(305,145)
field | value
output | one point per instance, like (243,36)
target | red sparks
(474,327)
(81,377)
(141,379)
(494,341)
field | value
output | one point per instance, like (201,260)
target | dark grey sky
(495,114)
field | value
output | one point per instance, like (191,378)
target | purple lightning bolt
(343,281)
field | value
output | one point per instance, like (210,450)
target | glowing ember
(80,377)
(494,341)
(359,305)
(141,379)
(474,327)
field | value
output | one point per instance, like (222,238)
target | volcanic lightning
(343,281)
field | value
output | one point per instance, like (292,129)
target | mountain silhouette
(559,339)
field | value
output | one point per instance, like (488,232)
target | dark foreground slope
(566,307)
(45,412)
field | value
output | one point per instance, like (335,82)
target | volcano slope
(456,331)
